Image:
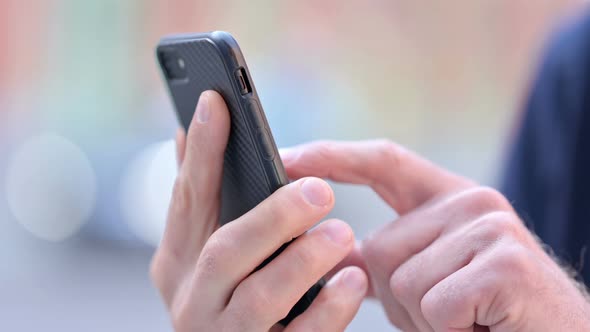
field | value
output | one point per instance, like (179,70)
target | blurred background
(86,159)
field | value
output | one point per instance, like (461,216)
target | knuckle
(212,256)
(498,224)
(256,302)
(390,152)
(318,150)
(207,264)
(285,203)
(386,146)
(285,225)
(514,259)
(371,250)
(324,147)
(378,258)
(305,259)
(401,286)
(487,199)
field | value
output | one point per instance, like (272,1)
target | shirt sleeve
(544,177)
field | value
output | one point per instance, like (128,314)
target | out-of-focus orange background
(86,162)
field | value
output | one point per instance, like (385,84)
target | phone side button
(265,144)
(255,114)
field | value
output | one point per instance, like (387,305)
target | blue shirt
(547,177)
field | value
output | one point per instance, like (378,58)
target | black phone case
(252,168)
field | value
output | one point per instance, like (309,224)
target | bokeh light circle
(50,187)
(146,190)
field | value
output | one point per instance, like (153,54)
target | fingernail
(337,232)
(354,279)
(203,112)
(316,192)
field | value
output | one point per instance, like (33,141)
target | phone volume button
(255,114)
(265,143)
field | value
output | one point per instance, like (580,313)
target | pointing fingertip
(287,154)
(285,151)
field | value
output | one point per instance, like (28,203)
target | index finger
(402,178)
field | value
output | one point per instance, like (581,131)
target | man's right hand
(458,258)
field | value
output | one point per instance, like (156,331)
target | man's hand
(458,258)
(205,273)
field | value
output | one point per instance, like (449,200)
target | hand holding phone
(205,272)
(252,169)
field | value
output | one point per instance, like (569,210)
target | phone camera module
(173,65)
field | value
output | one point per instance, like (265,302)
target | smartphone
(252,169)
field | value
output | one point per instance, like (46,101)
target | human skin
(458,258)
(206,273)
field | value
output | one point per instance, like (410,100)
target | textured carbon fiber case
(211,63)
(252,168)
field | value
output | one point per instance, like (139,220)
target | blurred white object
(51,187)
(146,191)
